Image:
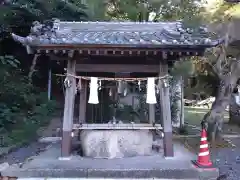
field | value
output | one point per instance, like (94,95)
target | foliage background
(24,104)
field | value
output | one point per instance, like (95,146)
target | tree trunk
(213,120)
(32,68)
(234,111)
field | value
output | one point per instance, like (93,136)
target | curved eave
(125,46)
(174,47)
(22,40)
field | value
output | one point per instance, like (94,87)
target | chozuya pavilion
(116,51)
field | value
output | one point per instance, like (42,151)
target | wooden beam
(68,109)
(116,75)
(127,126)
(117,68)
(151,110)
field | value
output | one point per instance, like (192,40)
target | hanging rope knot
(79,85)
(165,83)
(67,83)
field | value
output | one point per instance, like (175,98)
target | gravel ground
(23,153)
(34,148)
(228,161)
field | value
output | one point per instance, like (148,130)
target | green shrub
(23,107)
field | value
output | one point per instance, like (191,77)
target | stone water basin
(116,143)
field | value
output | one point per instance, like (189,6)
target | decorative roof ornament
(152,16)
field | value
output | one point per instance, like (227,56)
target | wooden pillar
(115,99)
(83,102)
(182,103)
(166,113)
(151,110)
(70,85)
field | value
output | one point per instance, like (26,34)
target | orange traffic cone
(204,155)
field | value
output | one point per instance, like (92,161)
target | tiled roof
(159,34)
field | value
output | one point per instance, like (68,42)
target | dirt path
(51,129)
(34,148)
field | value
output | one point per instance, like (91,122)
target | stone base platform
(47,164)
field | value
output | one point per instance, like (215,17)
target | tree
(234,108)
(18,16)
(228,72)
(23,106)
(138,10)
(224,61)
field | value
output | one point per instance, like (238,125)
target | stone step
(54,174)
(11,178)
(96,179)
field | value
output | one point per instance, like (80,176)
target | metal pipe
(49,84)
